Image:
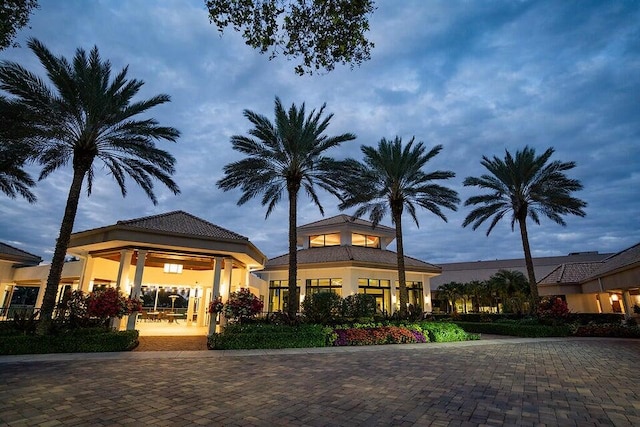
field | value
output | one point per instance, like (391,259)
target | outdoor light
(614,297)
(173,268)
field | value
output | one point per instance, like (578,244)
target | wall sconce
(614,297)
(173,268)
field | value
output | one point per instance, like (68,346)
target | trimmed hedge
(581,318)
(515,329)
(446,332)
(77,341)
(263,336)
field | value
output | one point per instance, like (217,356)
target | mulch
(160,343)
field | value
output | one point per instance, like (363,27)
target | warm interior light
(173,268)
(614,297)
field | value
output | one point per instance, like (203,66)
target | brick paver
(568,382)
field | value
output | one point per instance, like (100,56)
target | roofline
(352,263)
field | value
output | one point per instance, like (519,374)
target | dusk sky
(476,77)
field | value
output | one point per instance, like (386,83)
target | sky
(477,77)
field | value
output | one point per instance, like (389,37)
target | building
(348,256)
(611,285)
(174,257)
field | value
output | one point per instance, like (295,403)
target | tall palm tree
(84,117)
(450,292)
(525,186)
(391,178)
(283,157)
(513,289)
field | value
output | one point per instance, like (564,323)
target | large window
(381,291)
(279,295)
(366,241)
(324,285)
(414,289)
(324,240)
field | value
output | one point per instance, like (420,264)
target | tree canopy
(321,33)
(14,14)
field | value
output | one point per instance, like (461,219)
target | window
(414,289)
(279,295)
(366,241)
(381,291)
(324,285)
(324,240)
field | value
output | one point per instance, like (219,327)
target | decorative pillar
(605,303)
(626,303)
(217,273)
(225,289)
(43,285)
(123,268)
(87,273)
(137,287)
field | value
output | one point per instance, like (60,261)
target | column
(137,287)
(87,273)
(426,294)
(217,273)
(628,306)
(123,268)
(225,289)
(605,303)
(43,285)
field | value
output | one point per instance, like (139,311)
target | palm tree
(513,289)
(391,178)
(450,292)
(15,150)
(87,116)
(527,186)
(284,156)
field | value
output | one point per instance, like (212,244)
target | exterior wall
(582,303)
(350,276)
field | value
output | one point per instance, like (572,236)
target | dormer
(341,230)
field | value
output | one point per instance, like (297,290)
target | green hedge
(514,329)
(261,336)
(78,341)
(446,332)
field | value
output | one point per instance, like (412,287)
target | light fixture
(173,268)
(614,297)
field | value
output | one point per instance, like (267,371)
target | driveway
(555,381)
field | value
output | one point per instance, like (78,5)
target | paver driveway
(502,382)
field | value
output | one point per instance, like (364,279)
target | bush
(76,341)
(359,306)
(377,336)
(446,332)
(242,305)
(261,335)
(516,329)
(607,330)
(322,307)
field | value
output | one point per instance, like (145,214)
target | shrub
(377,336)
(446,332)
(553,310)
(261,335)
(607,330)
(359,306)
(322,307)
(76,341)
(515,329)
(242,305)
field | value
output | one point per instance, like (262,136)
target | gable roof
(343,219)
(573,272)
(10,253)
(350,255)
(618,261)
(181,222)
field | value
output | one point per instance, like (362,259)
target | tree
(513,289)
(14,14)
(87,116)
(391,179)
(450,292)
(283,157)
(321,32)
(525,186)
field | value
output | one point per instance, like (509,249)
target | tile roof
(182,223)
(336,254)
(619,260)
(343,219)
(570,273)
(18,254)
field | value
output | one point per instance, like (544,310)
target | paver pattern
(503,382)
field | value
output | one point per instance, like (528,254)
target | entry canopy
(171,238)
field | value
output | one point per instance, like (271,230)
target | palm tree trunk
(528,260)
(292,306)
(57,262)
(402,279)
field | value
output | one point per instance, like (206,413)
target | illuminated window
(173,268)
(366,241)
(324,240)
(414,289)
(380,290)
(279,295)
(324,285)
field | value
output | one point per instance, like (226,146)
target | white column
(225,288)
(626,303)
(87,273)
(43,285)
(217,273)
(137,287)
(123,268)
